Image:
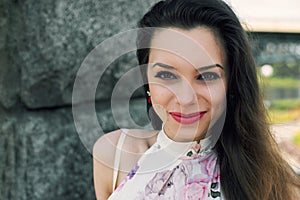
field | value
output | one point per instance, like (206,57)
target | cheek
(160,95)
(218,99)
(160,98)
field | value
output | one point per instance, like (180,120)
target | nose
(185,94)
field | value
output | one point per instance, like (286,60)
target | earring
(149,97)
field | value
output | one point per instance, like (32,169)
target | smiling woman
(188,89)
(213,139)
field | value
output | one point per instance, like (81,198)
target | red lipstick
(187,118)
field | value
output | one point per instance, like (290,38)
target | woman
(215,142)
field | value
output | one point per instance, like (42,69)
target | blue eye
(208,76)
(165,75)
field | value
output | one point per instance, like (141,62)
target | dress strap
(118,157)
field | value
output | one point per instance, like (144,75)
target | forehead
(195,45)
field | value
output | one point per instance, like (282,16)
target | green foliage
(287,69)
(277,82)
(284,110)
(285,104)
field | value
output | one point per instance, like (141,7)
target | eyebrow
(198,69)
(209,67)
(163,66)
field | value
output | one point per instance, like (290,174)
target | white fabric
(165,172)
(118,157)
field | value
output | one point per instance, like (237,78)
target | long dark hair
(250,163)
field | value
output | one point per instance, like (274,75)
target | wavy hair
(250,162)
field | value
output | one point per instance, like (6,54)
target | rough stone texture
(108,119)
(9,75)
(56,161)
(44,158)
(42,45)
(7,159)
(56,37)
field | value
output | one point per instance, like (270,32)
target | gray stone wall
(42,45)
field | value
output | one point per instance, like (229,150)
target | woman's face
(188,89)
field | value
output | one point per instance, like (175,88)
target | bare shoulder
(142,140)
(136,142)
(106,145)
(103,151)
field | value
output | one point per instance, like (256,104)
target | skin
(103,158)
(183,51)
(179,80)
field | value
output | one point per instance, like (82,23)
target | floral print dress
(171,170)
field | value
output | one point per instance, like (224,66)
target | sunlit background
(277,25)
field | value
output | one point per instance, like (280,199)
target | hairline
(217,37)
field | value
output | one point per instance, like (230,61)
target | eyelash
(206,76)
(164,75)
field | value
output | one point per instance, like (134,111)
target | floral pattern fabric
(192,177)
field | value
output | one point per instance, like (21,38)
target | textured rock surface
(44,158)
(56,37)
(9,75)
(42,45)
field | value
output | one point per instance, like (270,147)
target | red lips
(187,118)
